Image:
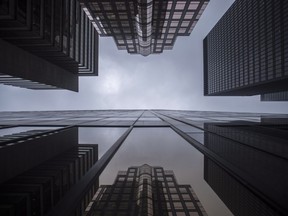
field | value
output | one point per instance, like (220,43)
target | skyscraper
(241,156)
(145,26)
(42,169)
(145,190)
(46,44)
(276,96)
(246,52)
(248,147)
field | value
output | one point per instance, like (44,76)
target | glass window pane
(104,137)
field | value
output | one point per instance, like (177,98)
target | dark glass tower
(246,52)
(42,169)
(245,158)
(46,44)
(145,26)
(249,148)
(276,96)
(145,190)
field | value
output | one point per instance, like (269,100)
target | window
(175,197)
(190,205)
(186,197)
(180,5)
(172,190)
(185,24)
(178,205)
(193,5)
(169,178)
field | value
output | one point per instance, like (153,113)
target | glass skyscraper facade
(234,161)
(53,42)
(40,169)
(246,52)
(145,26)
(277,96)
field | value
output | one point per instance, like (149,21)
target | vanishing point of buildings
(51,161)
(49,44)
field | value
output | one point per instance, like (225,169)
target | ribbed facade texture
(41,167)
(40,34)
(246,52)
(244,154)
(277,96)
(145,190)
(145,26)
(38,190)
(251,148)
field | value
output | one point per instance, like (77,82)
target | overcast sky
(171,80)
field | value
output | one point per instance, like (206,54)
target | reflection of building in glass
(245,153)
(145,190)
(145,26)
(246,52)
(40,167)
(21,146)
(46,44)
(256,157)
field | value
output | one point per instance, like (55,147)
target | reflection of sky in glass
(87,118)
(149,119)
(120,119)
(199,137)
(104,137)
(163,147)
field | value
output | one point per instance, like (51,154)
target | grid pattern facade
(15,137)
(277,96)
(145,190)
(249,147)
(23,83)
(238,199)
(57,31)
(246,52)
(40,167)
(145,26)
(36,191)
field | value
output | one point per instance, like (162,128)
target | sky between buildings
(171,80)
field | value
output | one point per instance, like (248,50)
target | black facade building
(244,160)
(41,167)
(258,155)
(246,52)
(145,26)
(145,190)
(46,44)
(277,96)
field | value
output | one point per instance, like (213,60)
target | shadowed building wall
(54,36)
(38,190)
(246,52)
(22,151)
(277,96)
(40,167)
(258,153)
